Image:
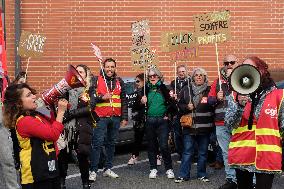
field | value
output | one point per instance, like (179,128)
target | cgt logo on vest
(272,112)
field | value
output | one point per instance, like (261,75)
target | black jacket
(85,120)
(203,113)
(137,109)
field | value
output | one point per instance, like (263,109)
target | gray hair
(183,66)
(157,72)
(202,71)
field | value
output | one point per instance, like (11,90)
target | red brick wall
(71,25)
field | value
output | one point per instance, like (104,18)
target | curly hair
(13,105)
(262,66)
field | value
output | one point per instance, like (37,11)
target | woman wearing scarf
(195,103)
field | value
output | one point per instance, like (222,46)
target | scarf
(197,93)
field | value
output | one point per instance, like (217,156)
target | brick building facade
(257,28)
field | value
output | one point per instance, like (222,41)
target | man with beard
(218,98)
(109,102)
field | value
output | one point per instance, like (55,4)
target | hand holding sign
(97,52)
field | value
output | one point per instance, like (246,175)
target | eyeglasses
(198,75)
(155,75)
(229,62)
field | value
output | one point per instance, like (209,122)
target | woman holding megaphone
(79,120)
(37,135)
(256,122)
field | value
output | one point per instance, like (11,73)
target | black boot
(62,183)
(86,185)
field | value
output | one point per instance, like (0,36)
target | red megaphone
(71,80)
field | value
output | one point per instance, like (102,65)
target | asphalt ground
(136,176)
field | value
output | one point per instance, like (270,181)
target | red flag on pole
(3,61)
(3,58)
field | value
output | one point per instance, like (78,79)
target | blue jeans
(178,138)
(104,134)
(157,133)
(223,136)
(188,152)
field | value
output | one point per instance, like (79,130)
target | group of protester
(248,134)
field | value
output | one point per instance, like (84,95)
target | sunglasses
(231,62)
(137,81)
(155,75)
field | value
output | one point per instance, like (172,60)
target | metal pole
(17,36)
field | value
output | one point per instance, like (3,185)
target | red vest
(260,146)
(110,107)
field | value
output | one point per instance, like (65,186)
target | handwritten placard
(31,45)
(212,27)
(184,55)
(140,34)
(143,56)
(175,41)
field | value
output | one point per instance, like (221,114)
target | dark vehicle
(278,77)
(126,134)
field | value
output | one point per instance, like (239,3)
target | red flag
(3,58)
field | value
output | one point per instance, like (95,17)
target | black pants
(84,166)
(245,180)
(157,133)
(139,130)
(63,163)
(46,184)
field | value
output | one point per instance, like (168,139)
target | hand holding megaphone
(71,80)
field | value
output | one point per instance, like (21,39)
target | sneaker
(179,180)
(153,174)
(170,174)
(93,176)
(110,173)
(204,179)
(159,162)
(229,185)
(133,160)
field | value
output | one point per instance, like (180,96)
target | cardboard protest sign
(31,45)
(143,56)
(177,40)
(184,55)
(140,34)
(212,27)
